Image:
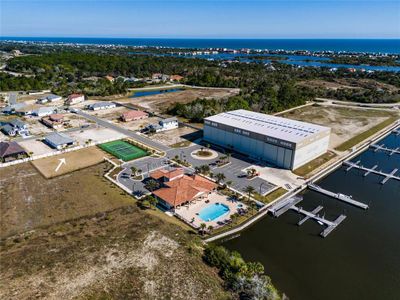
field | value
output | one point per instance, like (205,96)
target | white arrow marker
(62,161)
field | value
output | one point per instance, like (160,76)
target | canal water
(359,260)
(154,92)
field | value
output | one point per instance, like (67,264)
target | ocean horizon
(391,46)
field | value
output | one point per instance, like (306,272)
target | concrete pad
(36,147)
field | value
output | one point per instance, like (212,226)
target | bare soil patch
(159,103)
(28,200)
(79,237)
(74,160)
(177,136)
(344,122)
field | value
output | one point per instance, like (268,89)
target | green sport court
(123,150)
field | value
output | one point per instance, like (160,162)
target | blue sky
(201,18)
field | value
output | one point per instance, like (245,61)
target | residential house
(134,115)
(11,151)
(49,98)
(109,78)
(74,99)
(101,105)
(54,121)
(15,127)
(9,130)
(176,78)
(183,189)
(44,111)
(58,140)
(163,125)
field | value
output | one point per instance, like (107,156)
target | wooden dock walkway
(374,171)
(329,229)
(338,196)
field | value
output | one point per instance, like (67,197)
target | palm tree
(152,201)
(133,171)
(210,228)
(249,190)
(152,185)
(220,177)
(203,227)
(228,156)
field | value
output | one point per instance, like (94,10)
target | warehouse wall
(279,156)
(310,152)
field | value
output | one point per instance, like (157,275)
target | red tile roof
(158,174)
(184,189)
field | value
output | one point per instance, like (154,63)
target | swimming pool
(213,212)
(154,92)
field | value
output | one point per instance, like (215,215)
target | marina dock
(383,148)
(330,225)
(283,206)
(373,170)
(339,196)
(291,202)
(396,131)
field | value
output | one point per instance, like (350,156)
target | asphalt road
(127,132)
(12,98)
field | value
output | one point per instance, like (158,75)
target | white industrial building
(282,142)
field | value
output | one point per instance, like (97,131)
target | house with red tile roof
(74,99)
(183,189)
(134,115)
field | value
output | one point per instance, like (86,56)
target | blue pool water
(154,92)
(213,211)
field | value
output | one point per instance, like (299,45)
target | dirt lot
(36,147)
(159,103)
(95,135)
(139,124)
(78,236)
(348,83)
(176,136)
(74,160)
(344,122)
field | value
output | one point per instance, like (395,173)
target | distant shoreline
(383,46)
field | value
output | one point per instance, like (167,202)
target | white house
(44,111)
(163,125)
(74,99)
(101,105)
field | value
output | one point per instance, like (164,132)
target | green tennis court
(123,150)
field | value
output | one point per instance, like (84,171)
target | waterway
(359,260)
(153,92)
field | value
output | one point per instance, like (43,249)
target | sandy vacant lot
(37,147)
(139,124)
(78,236)
(97,135)
(344,122)
(159,103)
(175,136)
(74,160)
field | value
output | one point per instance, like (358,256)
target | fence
(34,157)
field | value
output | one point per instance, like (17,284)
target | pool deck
(188,212)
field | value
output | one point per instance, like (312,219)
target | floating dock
(330,225)
(383,148)
(373,170)
(283,206)
(339,196)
